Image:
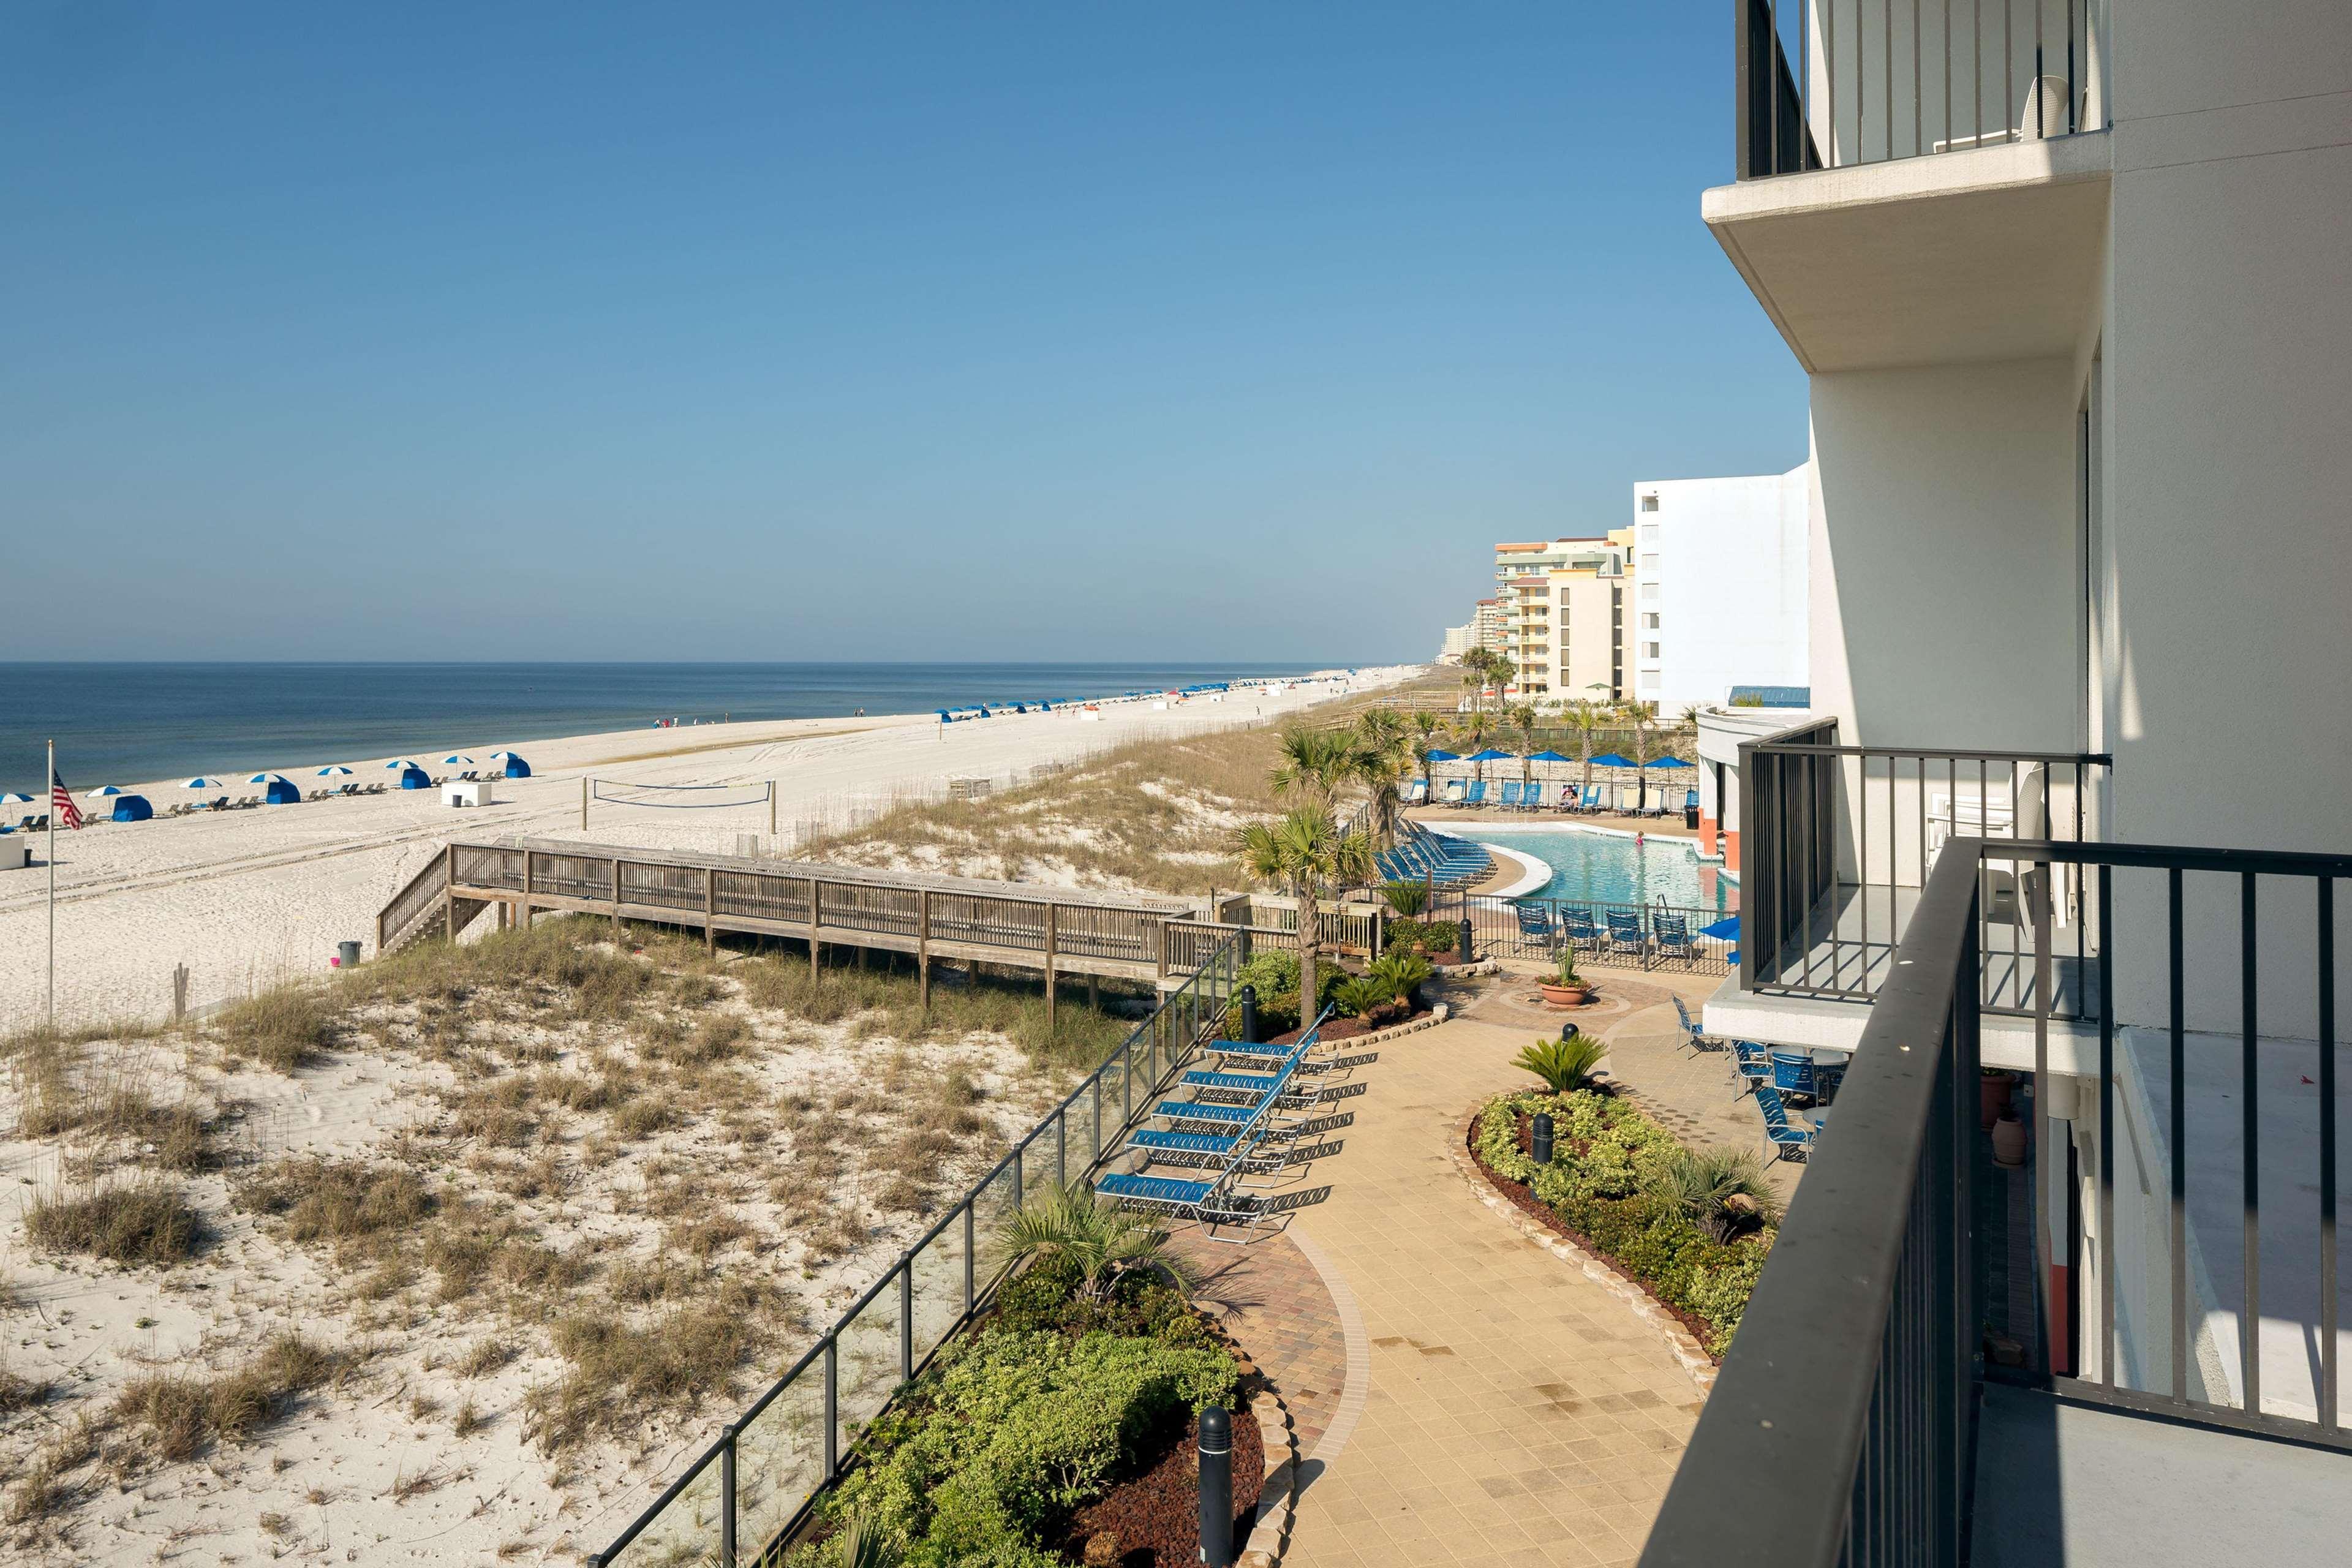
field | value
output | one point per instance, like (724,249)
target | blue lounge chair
(1580,929)
(1590,799)
(1477,796)
(1455,789)
(1536,925)
(1626,934)
(1674,939)
(1784,1140)
(1510,801)
(1416,792)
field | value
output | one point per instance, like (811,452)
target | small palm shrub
(1400,974)
(1563,1065)
(1566,974)
(1105,1242)
(1721,1191)
(1406,898)
(1360,996)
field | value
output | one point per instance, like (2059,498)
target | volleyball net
(681,797)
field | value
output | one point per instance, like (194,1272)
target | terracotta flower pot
(1566,995)
(1993,1089)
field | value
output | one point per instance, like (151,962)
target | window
(1649,503)
(1649,533)
(1650,622)
(1649,650)
(1649,590)
(1650,564)
(1649,681)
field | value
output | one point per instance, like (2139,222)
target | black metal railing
(1612,936)
(2180,1238)
(1836,843)
(756,1483)
(1832,83)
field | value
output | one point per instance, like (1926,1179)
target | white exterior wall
(1728,557)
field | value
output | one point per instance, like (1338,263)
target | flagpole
(52,1008)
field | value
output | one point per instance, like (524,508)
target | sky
(874,331)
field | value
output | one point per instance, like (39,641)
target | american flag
(61,802)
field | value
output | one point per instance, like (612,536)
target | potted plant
(1567,988)
(1993,1088)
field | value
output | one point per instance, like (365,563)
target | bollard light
(1463,949)
(1216,1488)
(1542,1150)
(1249,1015)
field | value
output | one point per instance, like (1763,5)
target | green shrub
(1612,1182)
(989,1449)
(1406,898)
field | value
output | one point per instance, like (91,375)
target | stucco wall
(1944,584)
(1732,586)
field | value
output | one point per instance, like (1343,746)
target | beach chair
(1510,801)
(1626,934)
(1477,796)
(1782,1139)
(1751,1065)
(1672,934)
(1416,792)
(1699,1039)
(1454,790)
(1589,800)
(1792,1073)
(1536,928)
(1579,929)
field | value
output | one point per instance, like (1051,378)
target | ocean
(132,723)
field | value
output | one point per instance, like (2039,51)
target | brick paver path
(1514,1412)
(1273,1301)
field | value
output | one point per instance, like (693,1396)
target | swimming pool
(1606,867)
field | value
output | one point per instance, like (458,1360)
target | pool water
(1607,869)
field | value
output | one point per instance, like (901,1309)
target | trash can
(347,955)
(1690,817)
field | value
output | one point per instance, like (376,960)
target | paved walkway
(1511,1411)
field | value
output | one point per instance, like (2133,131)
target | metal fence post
(970,1261)
(727,1497)
(906,1318)
(832,1406)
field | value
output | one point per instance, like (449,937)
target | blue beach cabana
(512,761)
(131,808)
(279,791)
(410,775)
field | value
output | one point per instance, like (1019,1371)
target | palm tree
(1315,763)
(1428,729)
(1104,1240)
(1641,715)
(1523,719)
(1304,851)
(1588,720)
(1379,757)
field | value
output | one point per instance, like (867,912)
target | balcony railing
(2187,1267)
(1837,843)
(1832,83)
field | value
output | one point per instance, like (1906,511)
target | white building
(2069,282)
(1720,587)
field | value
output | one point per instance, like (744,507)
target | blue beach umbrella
(201,783)
(13,798)
(336,772)
(1549,756)
(1725,930)
(107,790)
(266,778)
(1444,756)
(1612,760)
(1490,755)
(400,763)
(458,759)
(1668,763)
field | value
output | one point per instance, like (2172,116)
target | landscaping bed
(1619,1186)
(1063,1414)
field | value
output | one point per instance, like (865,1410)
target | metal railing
(1836,843)
(752,1487)
(1661,936)
(1832,83)
(2183,1214)
(412,904)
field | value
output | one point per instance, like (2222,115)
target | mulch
(1524,1199)
(1156,1513)
(1349,1028)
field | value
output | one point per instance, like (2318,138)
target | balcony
(2125,1351)
(1837,844)
(1918,183)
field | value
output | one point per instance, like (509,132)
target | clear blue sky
(873,331)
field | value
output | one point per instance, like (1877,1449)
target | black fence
(1836,843)
(751,1488)
(1832,83)
(1612,936)
(2198,1133)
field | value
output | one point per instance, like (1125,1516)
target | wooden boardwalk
(1054,930)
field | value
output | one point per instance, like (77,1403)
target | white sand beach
(247,897)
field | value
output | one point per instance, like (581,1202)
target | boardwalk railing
(749,1490)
